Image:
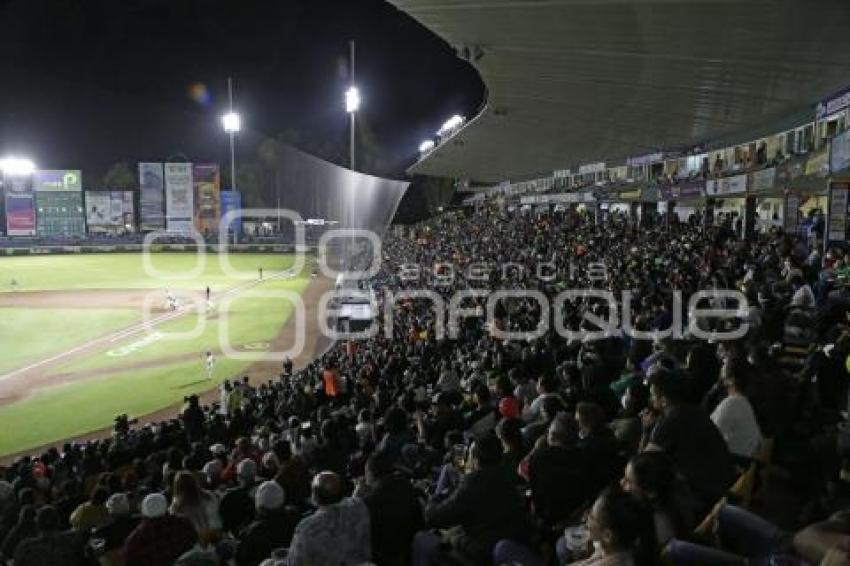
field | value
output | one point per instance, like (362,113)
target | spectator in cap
(337,533)
(212,473)
(272,528)
(121,523)
(52,546)
(237,504)
(160,538)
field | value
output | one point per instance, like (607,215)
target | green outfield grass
(71,409)
(249,319)
(127,271)
(35,334)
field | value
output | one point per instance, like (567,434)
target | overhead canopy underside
(580,81)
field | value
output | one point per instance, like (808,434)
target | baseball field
(84,338)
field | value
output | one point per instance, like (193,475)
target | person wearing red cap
(509,408)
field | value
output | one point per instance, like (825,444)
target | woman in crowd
(650,477)
(199,506)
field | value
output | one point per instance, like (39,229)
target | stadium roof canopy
(580,81)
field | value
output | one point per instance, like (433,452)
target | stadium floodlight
(17,166)
(231,121)
(427,145)
(450,124)
(352,99)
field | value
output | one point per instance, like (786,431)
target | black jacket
(560,481)
(396,515)
(269,532)
(488,507)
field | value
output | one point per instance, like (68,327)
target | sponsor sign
(763,180)
(726,186)
(58,180)
(151,211)
(20,206)
(591,168)
(178,197)
(207,203)
(836,229)
(833,104)
(791,213)
(818,163)
(232,200)
(98,209)
(839,152)
(647,159)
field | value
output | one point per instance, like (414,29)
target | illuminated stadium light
(17,166)
(450,124)
(426,146)
(352,99)
(232,122)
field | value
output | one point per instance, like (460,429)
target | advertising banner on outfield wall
(129,211)
(116,208)
(232,200)
(178,197)
(58,180)
(20,206)
(151,211)
(98,212)
(207,204)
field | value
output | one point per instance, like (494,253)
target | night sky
(86,83)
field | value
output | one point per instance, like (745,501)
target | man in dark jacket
(559,473)
(484,509)
(160,539)
(52,545)
(272,529)
(394,511)
(237,504)
(193,420)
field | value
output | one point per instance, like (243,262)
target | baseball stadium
(425,283)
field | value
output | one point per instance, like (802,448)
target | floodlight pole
(232,137)
(351,81)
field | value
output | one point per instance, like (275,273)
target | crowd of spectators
(470,449)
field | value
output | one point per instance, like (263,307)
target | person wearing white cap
(160,539)
(121,523)
(272,529)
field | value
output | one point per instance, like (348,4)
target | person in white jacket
(734,416)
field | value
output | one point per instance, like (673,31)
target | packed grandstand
(663,379)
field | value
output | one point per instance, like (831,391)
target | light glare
(426,145)
(17,166)
(231,122)
(352,99)
(450,124)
